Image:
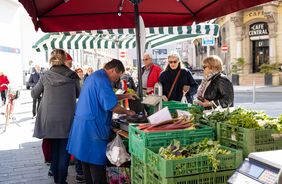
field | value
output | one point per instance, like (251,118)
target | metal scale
(258,168)
(155,99)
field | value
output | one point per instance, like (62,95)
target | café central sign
(258,29)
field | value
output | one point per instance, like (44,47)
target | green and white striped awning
(123,38)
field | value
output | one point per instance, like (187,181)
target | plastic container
(249,140)
(139,140)
(206,178)
(191,166)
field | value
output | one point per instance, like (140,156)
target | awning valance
(123,38)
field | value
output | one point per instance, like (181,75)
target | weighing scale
(260,167)
(155,99)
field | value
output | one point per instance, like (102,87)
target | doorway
(260,54)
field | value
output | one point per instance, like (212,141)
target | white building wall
(16,31)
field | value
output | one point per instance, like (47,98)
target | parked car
(198,75)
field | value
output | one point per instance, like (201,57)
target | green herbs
(206,147)
(244,118)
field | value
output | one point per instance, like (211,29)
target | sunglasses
(171,62)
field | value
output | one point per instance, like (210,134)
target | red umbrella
(73,15)
(76,15)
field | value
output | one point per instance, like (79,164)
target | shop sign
(208,41)
(9,49)
(258,29)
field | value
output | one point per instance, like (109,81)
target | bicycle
(10,106)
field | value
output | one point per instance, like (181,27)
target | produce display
(244,118)
(174,124)
(207,147)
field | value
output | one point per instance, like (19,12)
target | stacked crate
(248,140)
(148,167)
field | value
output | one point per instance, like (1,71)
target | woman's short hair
(58,57)
(214,63)
(175,55)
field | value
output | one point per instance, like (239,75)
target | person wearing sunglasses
(177,81)
(216,89)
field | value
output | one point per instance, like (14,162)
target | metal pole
(208,51)
(138,47)
(254,91)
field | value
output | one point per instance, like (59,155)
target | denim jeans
(60,160)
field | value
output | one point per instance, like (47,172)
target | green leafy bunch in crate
(244,118)
(207,147)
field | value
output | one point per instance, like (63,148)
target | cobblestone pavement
(21,158)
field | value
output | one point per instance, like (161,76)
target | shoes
(80,179)
(50,173)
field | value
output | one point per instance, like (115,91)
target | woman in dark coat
(60,88)
(216,89)
(185,83)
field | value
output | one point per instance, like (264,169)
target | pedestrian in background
(56,110)
(150,74)
(89,71)
(3,87)
(33,79)
(91,130)
(79,72)
(177,81)
(216,89)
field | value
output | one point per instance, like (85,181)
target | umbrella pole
(138,47)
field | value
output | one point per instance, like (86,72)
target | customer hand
(130,113)
(205,103)
(165,98)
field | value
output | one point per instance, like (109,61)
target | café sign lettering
(258,29)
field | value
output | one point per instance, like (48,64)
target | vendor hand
(132,96)
(130,113)
(165,98)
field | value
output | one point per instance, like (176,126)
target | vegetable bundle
(174,124)
(244,118)
(206,147)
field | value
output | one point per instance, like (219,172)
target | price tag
(233,136)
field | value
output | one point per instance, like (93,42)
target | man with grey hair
(150,73)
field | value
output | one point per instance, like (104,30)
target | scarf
(205,83)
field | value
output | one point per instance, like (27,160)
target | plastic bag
(184,99)
(116,152)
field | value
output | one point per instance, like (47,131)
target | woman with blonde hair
(216,89)
(59,88)
(177,81)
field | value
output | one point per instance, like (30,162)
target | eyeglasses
(145,59)
(171,62)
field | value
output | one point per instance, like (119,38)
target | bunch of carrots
(174,124)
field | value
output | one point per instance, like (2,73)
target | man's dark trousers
(35,105)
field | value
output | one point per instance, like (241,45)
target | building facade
(255,35)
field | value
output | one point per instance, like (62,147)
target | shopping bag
(116,152)
(184,99)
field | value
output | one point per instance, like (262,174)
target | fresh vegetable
(174,124)
(207,147)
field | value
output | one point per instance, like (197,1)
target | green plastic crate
(139,139)
(138,171)
(190,166)
(207,178)
(249,140)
